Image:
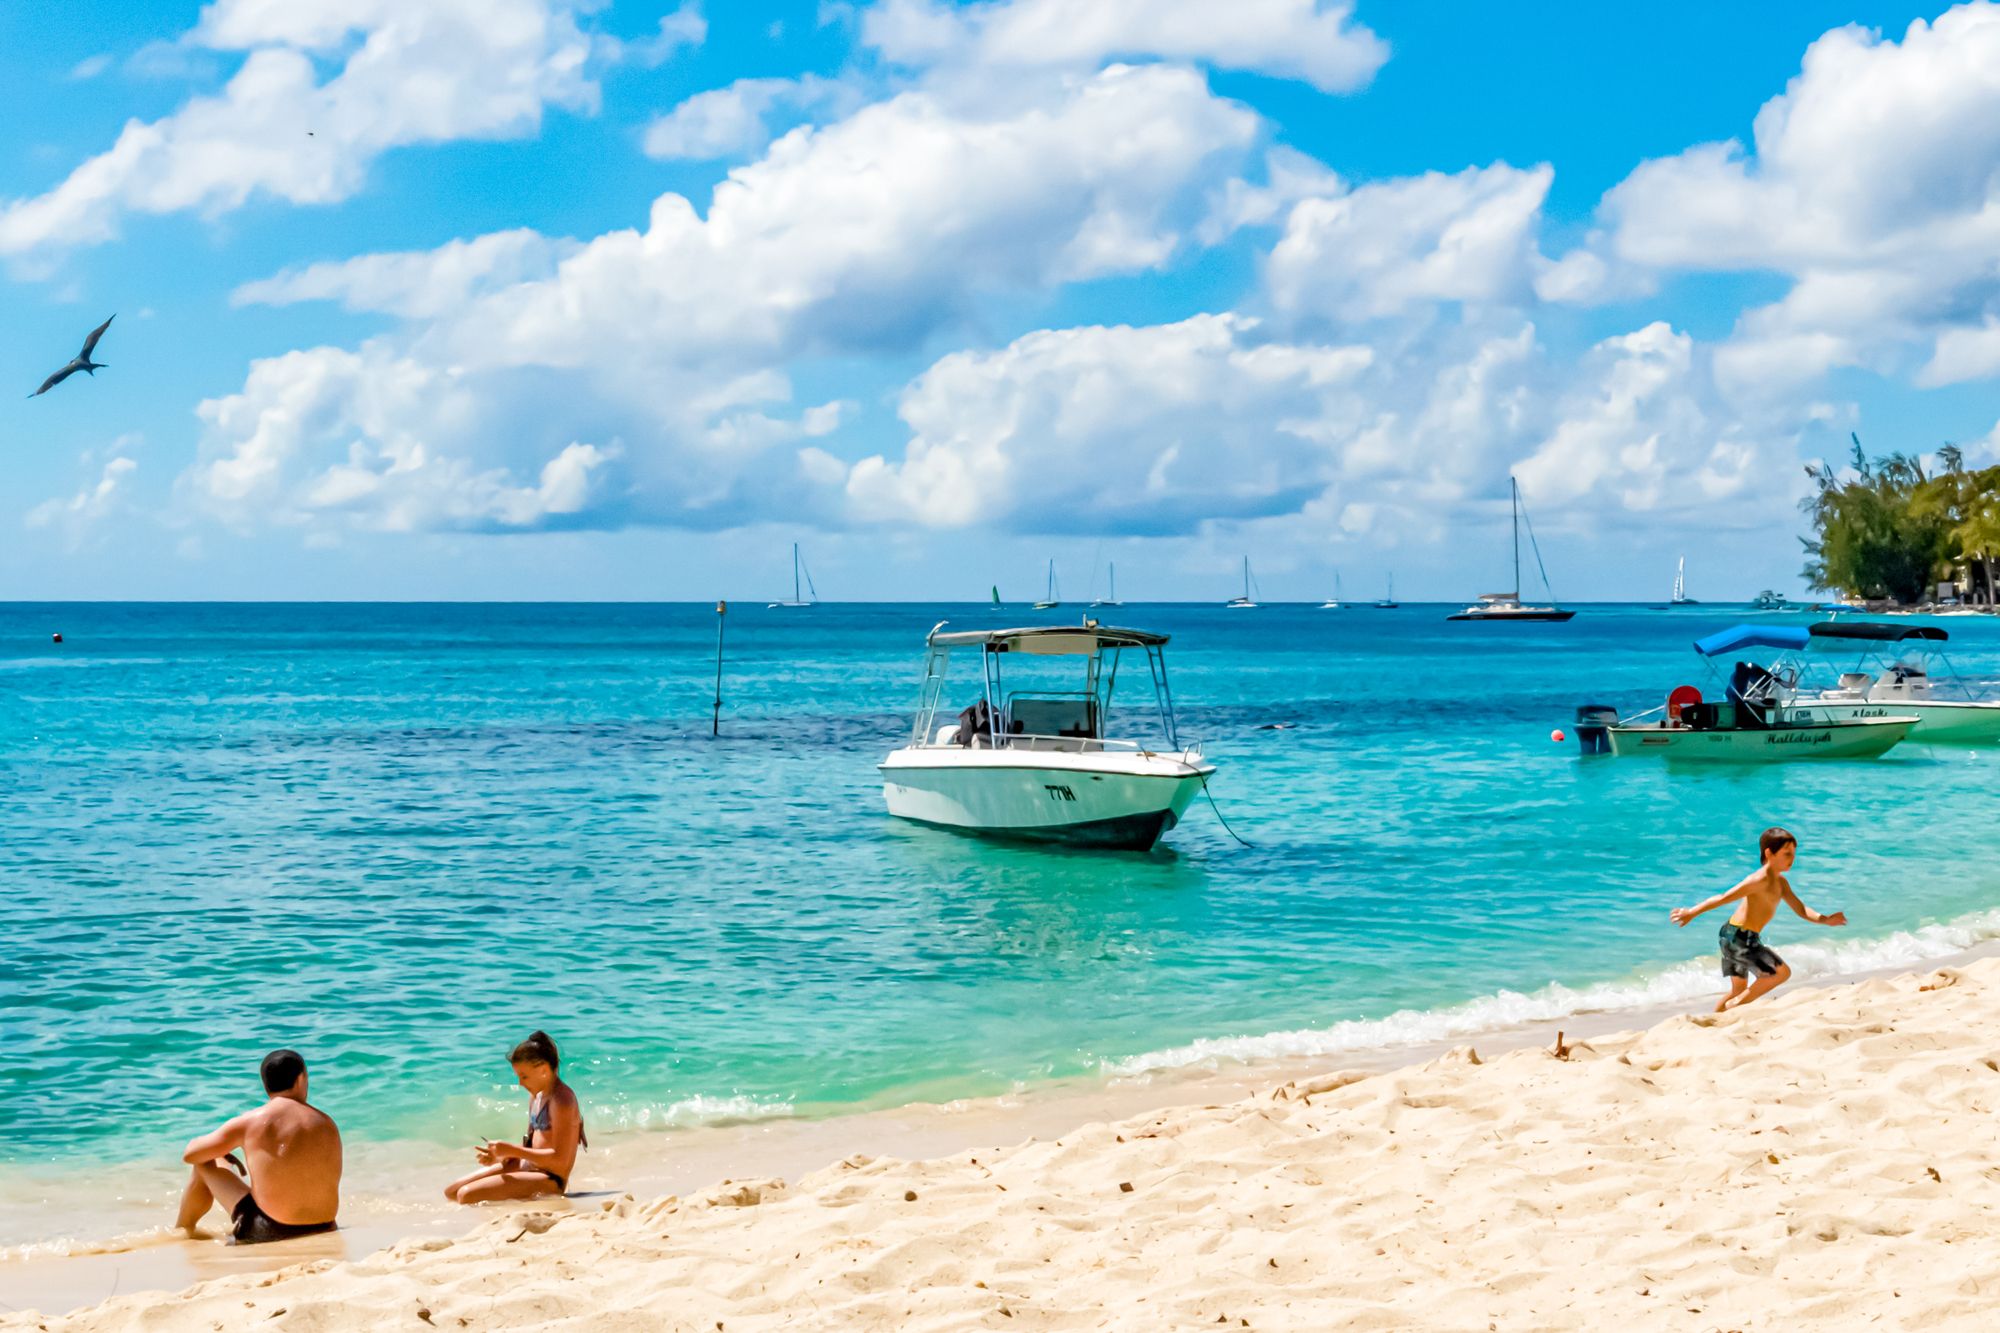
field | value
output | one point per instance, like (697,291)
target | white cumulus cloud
(736,121)
(1381,249)
(1872,181)
(1310,40)
(416,284)
(404,72)
(1111,429)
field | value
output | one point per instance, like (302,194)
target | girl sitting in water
(542,1163)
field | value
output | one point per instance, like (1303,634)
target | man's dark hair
(1772,841)
(281,1070)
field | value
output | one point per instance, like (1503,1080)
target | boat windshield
(1045,688)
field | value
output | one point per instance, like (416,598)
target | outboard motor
(1593,727)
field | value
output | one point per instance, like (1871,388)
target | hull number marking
(1058,792)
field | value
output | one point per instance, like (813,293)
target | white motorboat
(1244,602)
(1029,757)
(798,599)
(1507,606)
(1054,597)
(1760,720)
(1901,681)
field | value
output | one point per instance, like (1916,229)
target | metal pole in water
(715,722)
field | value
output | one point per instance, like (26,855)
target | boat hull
(1512,615)
(1110,800)
(1948,721)
(1849,739)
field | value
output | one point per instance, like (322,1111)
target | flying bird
(82,362)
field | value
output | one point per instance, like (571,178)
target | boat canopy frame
(1876,641)
(1089,640)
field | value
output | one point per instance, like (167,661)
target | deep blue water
(399,837)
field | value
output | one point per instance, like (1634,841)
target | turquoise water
(399,837)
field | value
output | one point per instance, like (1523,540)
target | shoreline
(56,1278)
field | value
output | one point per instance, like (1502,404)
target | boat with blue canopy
(1760,718)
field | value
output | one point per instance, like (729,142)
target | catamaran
(1760,719)
(1334,603)
(1031,758)
(1507,605)
(1680,597)
(1900,681)
(1243,603)
(1110,598)
(1054,599)
(798,569)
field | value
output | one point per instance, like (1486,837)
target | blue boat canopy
(1789,638)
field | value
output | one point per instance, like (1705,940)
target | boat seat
(1858,681)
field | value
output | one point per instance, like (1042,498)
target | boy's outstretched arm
(1817,918)
(1680,916)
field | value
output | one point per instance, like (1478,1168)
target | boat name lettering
(1058,792)
(1798,738)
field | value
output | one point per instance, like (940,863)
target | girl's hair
(1769,843)
(539,1048)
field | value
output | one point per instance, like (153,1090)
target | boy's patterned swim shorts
(1744,951)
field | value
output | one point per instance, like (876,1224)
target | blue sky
(536,299)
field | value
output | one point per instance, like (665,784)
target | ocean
(398,837)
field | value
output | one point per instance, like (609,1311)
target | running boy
(1757,898)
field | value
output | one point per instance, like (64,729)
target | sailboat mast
(1514,488)
(795,573)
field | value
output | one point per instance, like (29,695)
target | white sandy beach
(1829,1159)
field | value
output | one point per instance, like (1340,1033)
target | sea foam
(1691,980)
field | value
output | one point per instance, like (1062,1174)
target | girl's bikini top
(538,1119)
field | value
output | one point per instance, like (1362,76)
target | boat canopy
(1787,638)
(1049,640)
(1874,631)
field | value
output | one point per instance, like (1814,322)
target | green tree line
(1890,529)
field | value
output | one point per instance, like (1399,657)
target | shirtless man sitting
(292,1187)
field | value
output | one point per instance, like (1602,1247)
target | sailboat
(1388,602)
(1334,603)
(1680,597)
(1110,598)
(997,606)
(1507,605)
(1054,599)
(1243,603)
(799,571)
